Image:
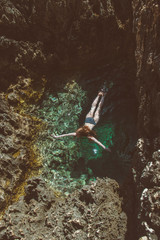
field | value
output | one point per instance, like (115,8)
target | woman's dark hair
(85,131)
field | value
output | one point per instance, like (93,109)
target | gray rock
(95,212)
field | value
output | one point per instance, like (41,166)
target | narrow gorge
(55,57)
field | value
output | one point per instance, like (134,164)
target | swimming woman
(91,120)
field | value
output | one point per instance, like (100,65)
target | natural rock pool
(69,163)
(54,57)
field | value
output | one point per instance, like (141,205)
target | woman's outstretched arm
(99,143)
(63,135)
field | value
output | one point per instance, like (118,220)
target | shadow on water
(120,138)
(117,126)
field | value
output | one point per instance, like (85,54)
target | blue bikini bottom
(90,120)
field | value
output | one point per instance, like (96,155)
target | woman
(91,120)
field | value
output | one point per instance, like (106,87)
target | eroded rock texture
(146,171)
(94,212)
(17,157)
(39,37)
(42,37)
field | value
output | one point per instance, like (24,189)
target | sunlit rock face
(146,169)
(18,156)
(94,212)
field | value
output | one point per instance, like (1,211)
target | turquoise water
(69,162)
(65,160)
(90,150)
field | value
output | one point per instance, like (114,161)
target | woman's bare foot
(101,93)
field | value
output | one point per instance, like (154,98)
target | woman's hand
(99,143)
(54,136)
(107,149)
(63,135)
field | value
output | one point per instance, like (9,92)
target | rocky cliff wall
(94,212)
(43,38)
(40,37)
(146,170)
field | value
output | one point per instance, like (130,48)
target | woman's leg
(93,107)
(97,113)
